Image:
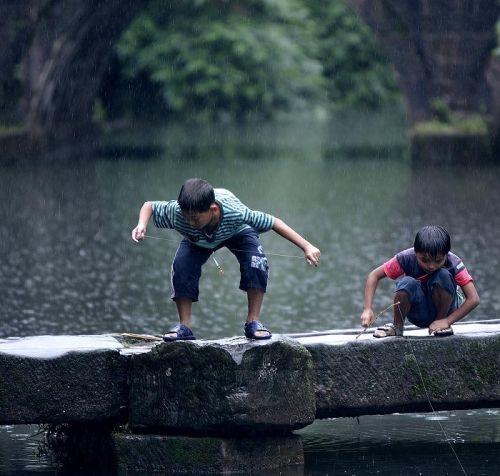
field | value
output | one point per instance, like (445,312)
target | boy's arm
(471,301)
(368,316)
(311,253)
(139,232)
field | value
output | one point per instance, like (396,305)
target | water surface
(68,265)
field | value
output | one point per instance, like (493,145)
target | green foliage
(8,129)
(234,63)
(357,71)
(441,110)
(214,59)
(446,122)
(471,124)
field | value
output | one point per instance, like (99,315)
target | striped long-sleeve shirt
(235,217)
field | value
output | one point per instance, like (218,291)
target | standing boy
(426,291)
(210,219)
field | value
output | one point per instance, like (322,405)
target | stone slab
(235,385)
(405,374)
(56,379)
(227,386)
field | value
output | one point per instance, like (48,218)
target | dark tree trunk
(71,48)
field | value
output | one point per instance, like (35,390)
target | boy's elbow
(473,300)
(377,274)
(277,222)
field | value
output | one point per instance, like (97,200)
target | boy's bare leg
(402,309)
(442,301)
(184,306)
(255,299)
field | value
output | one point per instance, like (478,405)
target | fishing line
(448,440)
(161,238)
(219,267)
(231,249)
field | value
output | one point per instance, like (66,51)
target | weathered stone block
(228,386)
(399,374)
(80,386)
(149,453)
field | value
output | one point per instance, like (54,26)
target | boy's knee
(402,296)
(408,290)
(408,284)
(185,281)
(444,280)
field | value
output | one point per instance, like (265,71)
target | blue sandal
(181,331)
(256,326)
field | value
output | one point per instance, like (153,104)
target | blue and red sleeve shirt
(405,264)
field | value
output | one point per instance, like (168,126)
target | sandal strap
(252,327)
(181,330)
(391,330)
(255,326)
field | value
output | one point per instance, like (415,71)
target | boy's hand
(438,325)
(139,232)
(367,317)
(312,255)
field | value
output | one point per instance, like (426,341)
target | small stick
(377,316)
(221,271)
(139,336)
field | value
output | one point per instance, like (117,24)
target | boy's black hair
(196,195)
(432,239)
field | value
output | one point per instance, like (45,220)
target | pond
(68,265)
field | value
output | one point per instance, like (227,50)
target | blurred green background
(241,60)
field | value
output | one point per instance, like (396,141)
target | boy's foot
(179,332)
(388,330)
(443,332)
(256,330)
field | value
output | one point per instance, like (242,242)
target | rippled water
(413,444)
(67,264)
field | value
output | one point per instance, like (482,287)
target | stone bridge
(439,50)
(236,390)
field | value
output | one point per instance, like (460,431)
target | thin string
(448,440)
(232,249)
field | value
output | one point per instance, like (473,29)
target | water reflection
(411,444)
(406,445)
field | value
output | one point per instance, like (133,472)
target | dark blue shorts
(423,312)
(189,258)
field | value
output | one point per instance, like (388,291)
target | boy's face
(430,263)
(201,220)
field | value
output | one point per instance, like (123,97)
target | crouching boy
(433,287)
